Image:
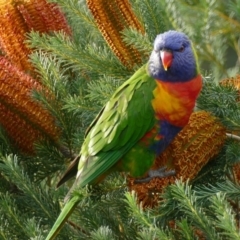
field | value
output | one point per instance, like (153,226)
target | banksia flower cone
(191,149)
(232,82)
(24,120)
(111,19)
(17,18)
(12,35)
(42,16)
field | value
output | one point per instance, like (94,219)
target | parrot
(141,118)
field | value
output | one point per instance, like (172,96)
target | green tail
(62,218)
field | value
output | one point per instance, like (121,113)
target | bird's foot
(160,173)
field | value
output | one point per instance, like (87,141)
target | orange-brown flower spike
(111,19)
(42,16)
(18,17)
(232,82)
(25,120)
(191,149)
(129,15)
(12,35)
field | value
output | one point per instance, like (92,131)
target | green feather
(65,213)
(123,106)
(127,116)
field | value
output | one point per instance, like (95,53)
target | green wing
(127,116)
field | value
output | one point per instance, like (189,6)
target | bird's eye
(181,49)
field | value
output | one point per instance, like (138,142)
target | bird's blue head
(173,58)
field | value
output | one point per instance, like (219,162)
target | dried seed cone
(25,120)
(17,18)
(12,35)
(42,16)
(111,19)
(191,149)
(233,82)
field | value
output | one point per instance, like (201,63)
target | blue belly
(168,132)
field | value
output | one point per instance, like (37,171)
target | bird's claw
(160,173)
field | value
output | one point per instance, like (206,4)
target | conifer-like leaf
(22,198)
(181,202)
(234,82)
(225,217)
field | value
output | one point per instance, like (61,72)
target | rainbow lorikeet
(141,118)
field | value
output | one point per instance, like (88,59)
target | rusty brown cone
(111,20)
(191,149)
(24,120)
(19,17)
(233,82)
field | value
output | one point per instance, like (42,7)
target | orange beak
(166,57)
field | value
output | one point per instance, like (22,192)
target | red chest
(174,102)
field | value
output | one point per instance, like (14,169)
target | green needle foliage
(82,72)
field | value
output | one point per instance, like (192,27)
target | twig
(230,135)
